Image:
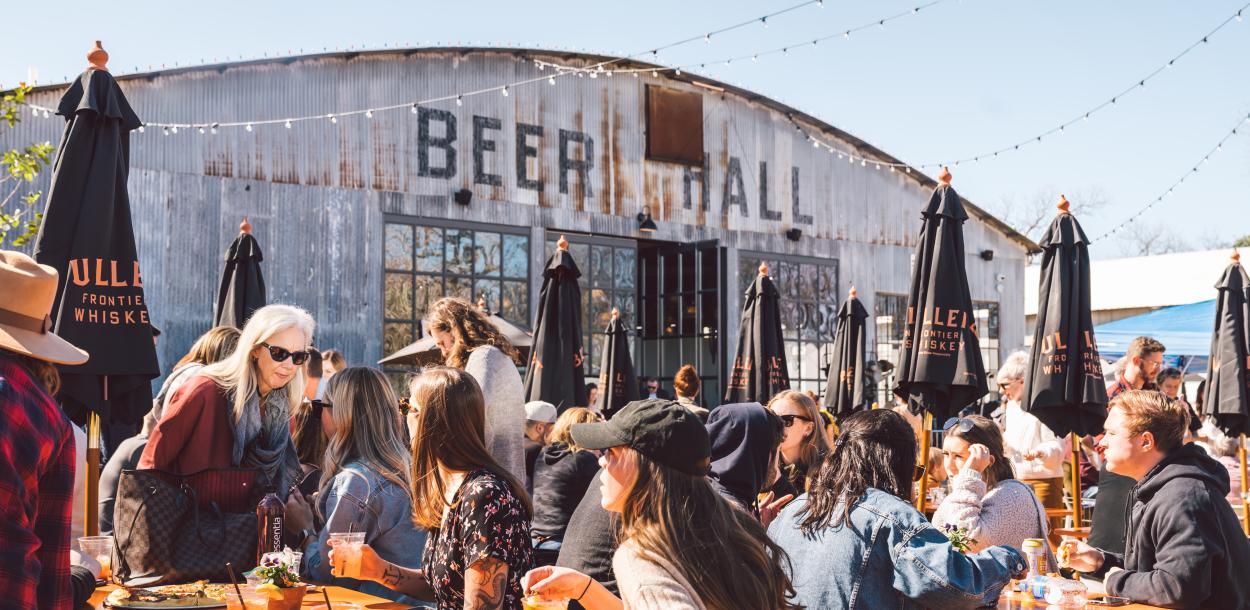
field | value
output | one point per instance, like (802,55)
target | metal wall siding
(316,193)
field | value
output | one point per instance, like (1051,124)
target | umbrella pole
(1076,480)
(923,458)
(92,480)
(1245,497)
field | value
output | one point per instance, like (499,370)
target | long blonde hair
(237,373)
(366,428)
(561,432)
(815,446)
(451,432)
(723,552)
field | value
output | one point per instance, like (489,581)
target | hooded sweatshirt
(1184,547)
(743,438)
(561,478)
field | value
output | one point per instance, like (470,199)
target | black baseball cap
(662,430)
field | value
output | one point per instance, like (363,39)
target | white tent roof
(1144,281)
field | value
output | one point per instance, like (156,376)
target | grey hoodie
(1184,547)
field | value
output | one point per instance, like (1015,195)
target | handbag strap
(124,545)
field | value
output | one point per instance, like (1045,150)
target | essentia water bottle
(270,514)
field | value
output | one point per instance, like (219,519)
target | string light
(459,100)
(288,124)
(1219,146)
(504,90)
(368,114)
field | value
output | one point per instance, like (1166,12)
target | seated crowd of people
(470,497)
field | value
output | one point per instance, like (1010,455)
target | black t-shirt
(560,480)
(590,539)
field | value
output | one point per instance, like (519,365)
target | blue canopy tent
(1184,329)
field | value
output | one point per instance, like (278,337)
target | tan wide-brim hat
(27,291)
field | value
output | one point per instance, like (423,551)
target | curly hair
(469,327)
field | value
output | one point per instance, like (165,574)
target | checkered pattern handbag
(175,529)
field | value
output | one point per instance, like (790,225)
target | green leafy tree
(18,169)
(1242,242)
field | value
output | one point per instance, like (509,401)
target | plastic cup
(533,602)
(252,599)
(99,548)
(346,547)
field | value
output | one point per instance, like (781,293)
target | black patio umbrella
(759,368)
(86,234)
(939,369)
(242,284)
(844,393)
(618,385)
(1228,381)
(555,371)
(1064,388)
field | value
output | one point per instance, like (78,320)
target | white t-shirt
(1025,434)
(649,583)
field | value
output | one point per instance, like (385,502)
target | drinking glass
(346,547)
(99,548)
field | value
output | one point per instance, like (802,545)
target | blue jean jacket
(360,500)
(888,556)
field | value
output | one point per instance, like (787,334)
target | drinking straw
(326,594)
(235,581)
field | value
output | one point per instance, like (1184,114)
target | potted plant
(278,574)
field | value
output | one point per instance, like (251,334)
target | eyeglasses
(281,353)
(962,424)
(789,419)
(321,404)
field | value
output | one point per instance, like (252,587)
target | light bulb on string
(213,129)
(333,119)
(201,130)
(369,114)
(504,90)
(46,114)
(249,127)
(174,129)
(287,124)
(165,130)
(707,38)
(414,108)
(459,100)
(141,129)
(846,35)
(551,80)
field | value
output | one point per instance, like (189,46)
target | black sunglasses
(281,353)
(789,419)
(405,405)
(918,474)
(321,404)
(962,424)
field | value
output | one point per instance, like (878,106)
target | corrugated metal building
(359,225)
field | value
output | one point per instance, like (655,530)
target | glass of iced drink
(251,598)
(346,547)
(99,548)
(534,602)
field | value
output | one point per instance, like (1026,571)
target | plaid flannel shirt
(1122,385)
(36,494)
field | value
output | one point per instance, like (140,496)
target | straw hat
(27,290)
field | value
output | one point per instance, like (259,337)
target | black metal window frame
(823,299)
(887,344)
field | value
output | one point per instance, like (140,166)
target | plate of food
(191,596)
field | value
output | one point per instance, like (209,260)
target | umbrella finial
(98,58)
(562,244)
(763,268)
(245,226)
(616,313)
(854,292)
(944,178)
(1236,256)
(1063,205)
(481,302)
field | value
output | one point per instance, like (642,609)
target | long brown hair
(43,372)
(985,432)
(451,432)
(561,432)
(876,449)
(723,552)
(469,328)
(366,427)
(212,346)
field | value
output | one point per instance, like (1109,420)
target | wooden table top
(312,600)
(1025,601)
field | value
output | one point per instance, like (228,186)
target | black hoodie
(560,480)
(1184,547)
(743,439)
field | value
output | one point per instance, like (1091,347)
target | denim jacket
(888,556)
(360,500)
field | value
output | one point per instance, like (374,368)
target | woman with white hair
(1035,452)
(235,413)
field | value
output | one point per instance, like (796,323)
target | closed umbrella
(1228,381)
(86,234)
(242,288)
(618,385)
(555,366)
(844,393)
(1064,388)
(425,352)
(759,368)
(939,368)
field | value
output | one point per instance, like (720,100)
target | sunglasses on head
(789,419)
(281,353)
(962,424)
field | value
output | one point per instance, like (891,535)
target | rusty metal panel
(674,125)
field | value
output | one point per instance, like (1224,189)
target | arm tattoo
(393,576)
(486,583)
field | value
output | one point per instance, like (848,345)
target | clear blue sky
(957,79)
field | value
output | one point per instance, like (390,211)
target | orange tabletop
(312,600)
(1025,601)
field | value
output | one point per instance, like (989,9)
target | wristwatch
(305,535)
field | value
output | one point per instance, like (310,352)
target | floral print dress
(487,520)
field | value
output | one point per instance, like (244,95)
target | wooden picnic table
(312,600)
(1024,601)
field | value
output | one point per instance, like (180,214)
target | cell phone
(311,481)
(1109,600)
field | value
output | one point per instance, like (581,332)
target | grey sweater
(505,406)
(1003,516)
(650,583)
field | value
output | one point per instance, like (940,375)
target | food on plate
(169,596)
